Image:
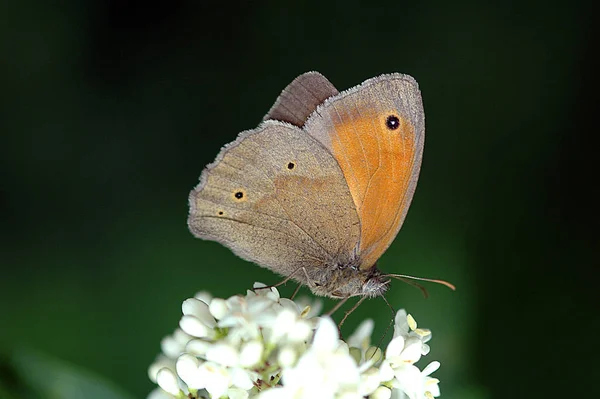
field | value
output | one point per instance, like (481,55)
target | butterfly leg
(285,280)
(351,310)
(295,292)
(308,282)
(337,306)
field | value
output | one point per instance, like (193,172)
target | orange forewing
(378,163)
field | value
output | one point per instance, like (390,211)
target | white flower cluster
(267,347)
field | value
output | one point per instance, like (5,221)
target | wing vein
(301,250)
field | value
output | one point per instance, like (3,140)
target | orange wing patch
(377,158)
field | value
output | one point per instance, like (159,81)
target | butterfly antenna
(388,327)
(408,279)
(415,284)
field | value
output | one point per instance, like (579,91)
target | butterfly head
(375,285)
(345,281)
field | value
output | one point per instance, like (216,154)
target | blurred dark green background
(109,110)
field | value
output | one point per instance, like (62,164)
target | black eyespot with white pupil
(239,195)
(392,122)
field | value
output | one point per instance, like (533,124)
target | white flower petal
(171,347)
(167,380)
(187,370)
(425,334)
(342,348)
(409,380)
(195,307)
(198,347)
(251,353)
(369,382)
(158,393)
(430,368)
(231,320)
(301,332)
(386,372)
(237,303)
(343,369)
(271,293)
(223,354)
(326,336)
(181,337)
(400,323)
(290,305)
(287,357)
(259,305)
(203,296)
(395,347)
(241,379)
(278,393)
(282,323)
(412,351)
(274,294)
(243,331)
(237,393)
(431,386)
(362,335)
(161,362)
(307,368)
(216,378)
(381,393)
(218,308)
(193,326)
